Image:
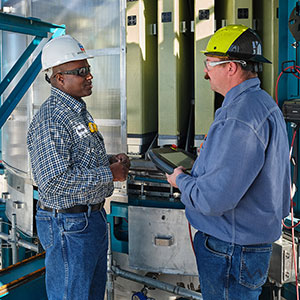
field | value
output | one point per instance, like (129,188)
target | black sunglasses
(82,72)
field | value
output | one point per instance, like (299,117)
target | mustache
(206,76)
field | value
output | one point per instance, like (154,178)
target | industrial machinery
(149,91)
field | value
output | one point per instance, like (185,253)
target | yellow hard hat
(236,41)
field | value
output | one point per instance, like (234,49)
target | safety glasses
(211,64)
(82,72)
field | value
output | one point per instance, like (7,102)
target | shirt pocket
(85,153)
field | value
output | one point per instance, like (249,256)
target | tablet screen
(179,159)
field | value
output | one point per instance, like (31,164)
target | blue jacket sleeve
(231,148)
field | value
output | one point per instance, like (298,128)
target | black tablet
(169,158)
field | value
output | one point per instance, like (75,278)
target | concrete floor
(124,289)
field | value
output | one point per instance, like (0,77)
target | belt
(74,209)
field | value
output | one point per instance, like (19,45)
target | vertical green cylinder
(204,18)
(141,64)
(175,71)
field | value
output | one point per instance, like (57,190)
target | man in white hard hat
(73,174)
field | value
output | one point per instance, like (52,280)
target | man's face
(215,74)
(75,85)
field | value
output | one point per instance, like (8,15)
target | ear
(232,68)
(59,79)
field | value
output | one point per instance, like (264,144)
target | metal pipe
(144,179)
(13,239)
(110,274)
(4,236)
(171,198)
(123,102)
(22,243)
(177,290)
(28,245)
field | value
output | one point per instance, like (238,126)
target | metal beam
(19,91)
(31,26)
(19,64)
(25,26)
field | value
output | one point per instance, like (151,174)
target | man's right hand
(119,171)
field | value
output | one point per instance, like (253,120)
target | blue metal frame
(289,85)
(118,210)
(29,26)
(25,280)
(21,61)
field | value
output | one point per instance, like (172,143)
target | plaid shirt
(69,162)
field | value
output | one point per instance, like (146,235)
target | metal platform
(24,280)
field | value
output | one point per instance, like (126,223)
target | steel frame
(28,26)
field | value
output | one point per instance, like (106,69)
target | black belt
(74,209)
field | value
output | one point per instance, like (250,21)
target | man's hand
(172,178)
(122,158)
(119,171)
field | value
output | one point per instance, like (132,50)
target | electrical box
(282,261)
(159,241)
(291,111)
(141,64)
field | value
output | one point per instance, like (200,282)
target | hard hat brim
(255,58)
(81,56)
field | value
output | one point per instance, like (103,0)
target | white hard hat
(60,50)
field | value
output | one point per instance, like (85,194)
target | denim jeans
(229,271)
(76,254)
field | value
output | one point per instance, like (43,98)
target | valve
(142,295)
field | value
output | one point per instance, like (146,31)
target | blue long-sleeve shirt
(239,188)
(69,162)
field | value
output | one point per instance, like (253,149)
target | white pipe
(22,243)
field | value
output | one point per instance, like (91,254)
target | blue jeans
(229,271)
(76,254)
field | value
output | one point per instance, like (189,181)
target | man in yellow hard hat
(74,175)
(239,188)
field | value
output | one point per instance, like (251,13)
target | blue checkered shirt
(69,162)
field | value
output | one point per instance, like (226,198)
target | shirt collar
(252,83)
(74,104)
